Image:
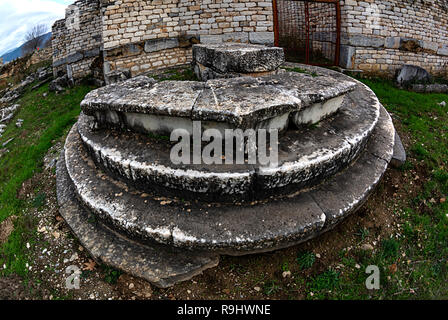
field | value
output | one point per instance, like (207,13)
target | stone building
(116,38)
(380,36)
(40,55)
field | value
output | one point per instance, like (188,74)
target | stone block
(443,51)
(399,155)
(392,43)
(161,44)
(210,39)
(238,58)
(265,38)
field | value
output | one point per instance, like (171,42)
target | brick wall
(77,39)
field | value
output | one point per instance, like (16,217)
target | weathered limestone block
(264,38)
(161,265)
(366,41)
(311,156)
(219,60)
(430,88)
(399,156)
(227,229)
(167,222)
(116,76)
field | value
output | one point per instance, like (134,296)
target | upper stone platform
(267,102)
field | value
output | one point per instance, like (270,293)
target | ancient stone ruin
(134,209)
(117,39)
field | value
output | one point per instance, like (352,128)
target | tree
(33,38)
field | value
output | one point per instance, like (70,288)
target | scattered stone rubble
(42,75)
(9,95)
(57,85)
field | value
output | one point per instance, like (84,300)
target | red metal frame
(307,22)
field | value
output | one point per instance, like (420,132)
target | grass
(46,119)
(111,275)
(413,265)
(421,252)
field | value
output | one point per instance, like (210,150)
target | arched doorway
(308,30)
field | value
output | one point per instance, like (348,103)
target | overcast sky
(17,16)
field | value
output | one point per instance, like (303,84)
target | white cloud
(18,16)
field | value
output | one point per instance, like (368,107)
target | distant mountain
(17,52)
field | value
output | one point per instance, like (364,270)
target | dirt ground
(234,278)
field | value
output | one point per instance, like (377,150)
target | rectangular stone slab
(238,57)
(144,95)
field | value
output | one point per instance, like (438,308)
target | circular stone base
(306,157)
(234,230)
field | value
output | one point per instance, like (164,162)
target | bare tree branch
(33,38)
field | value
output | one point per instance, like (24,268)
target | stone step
(306,156)
(268,102)
(230,229)
(161,265)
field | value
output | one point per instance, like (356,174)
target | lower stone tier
(230,229)
(161,265)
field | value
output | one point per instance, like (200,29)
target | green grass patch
(39,201)
(46,119)
(181,74)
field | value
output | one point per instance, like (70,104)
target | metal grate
(309,31)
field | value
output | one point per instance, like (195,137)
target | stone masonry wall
(135,36)
(77,39)
(41,55)
(322,26)
(140,35)
(378,36)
